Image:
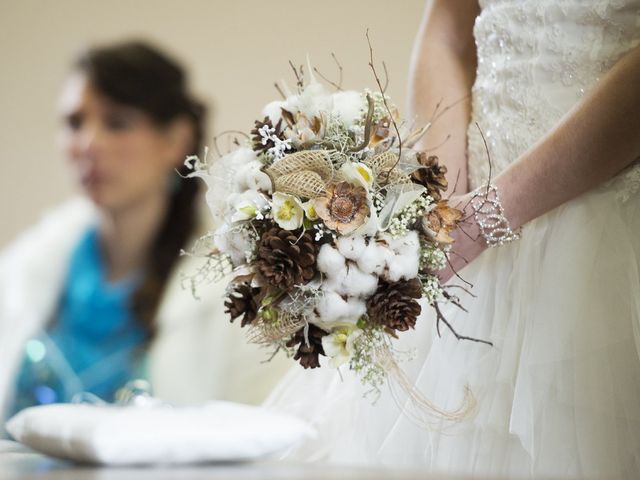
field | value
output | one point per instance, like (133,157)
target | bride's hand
(468,242)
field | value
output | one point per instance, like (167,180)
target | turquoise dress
(94,344)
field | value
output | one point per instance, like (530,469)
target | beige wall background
(234,50)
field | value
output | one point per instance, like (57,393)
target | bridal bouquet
(333,226)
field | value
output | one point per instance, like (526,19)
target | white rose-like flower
(357,173)
(246,205)
(310,209)
(339,345)
(287,211)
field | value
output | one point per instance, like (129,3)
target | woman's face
(118,156)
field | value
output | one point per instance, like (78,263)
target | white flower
(310,210)
(287,211)
(339,345)
(357,173)
(246,205)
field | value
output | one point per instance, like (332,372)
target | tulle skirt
(558,395)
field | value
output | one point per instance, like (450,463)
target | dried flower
(345,207)
(440,221)
(431,175)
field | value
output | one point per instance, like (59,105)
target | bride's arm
(592,143)
(598,138)
(443,66)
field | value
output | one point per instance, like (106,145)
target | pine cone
(257,139)
(431,175)
(285,259)
(242,301)
(394,304)
(308,355)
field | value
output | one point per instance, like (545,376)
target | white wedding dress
(558,396)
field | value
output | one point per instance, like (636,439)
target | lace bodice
(536,59)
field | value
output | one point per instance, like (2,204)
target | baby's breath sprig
(365,359)
(380,111)
(403,222)
(431,289)
(432,256)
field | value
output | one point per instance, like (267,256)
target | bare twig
(455,185)
(299,76)
(446,139)
(441,318)
(275,84)
(468,292)
(457,274)
(338,85)
(486,147)
(367,128)
(384,101)
(339,69)
(330,82)
(386,77)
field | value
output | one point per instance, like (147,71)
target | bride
(554,88)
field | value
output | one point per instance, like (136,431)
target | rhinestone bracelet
(489,215)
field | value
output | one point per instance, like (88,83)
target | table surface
(20,463)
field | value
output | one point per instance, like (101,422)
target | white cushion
(117,435)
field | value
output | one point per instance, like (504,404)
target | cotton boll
(239,157)
(357,283)
(375,258)
(330,261)
(273,110)
(348,106)
(337,280)
(236,244)
(402,267)
(407,245)
(251,177)
(351,247)
(314,100)
(332,307)
(352,282)
(357,307)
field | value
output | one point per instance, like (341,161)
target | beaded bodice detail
(536,60)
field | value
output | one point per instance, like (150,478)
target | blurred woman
(91,297)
